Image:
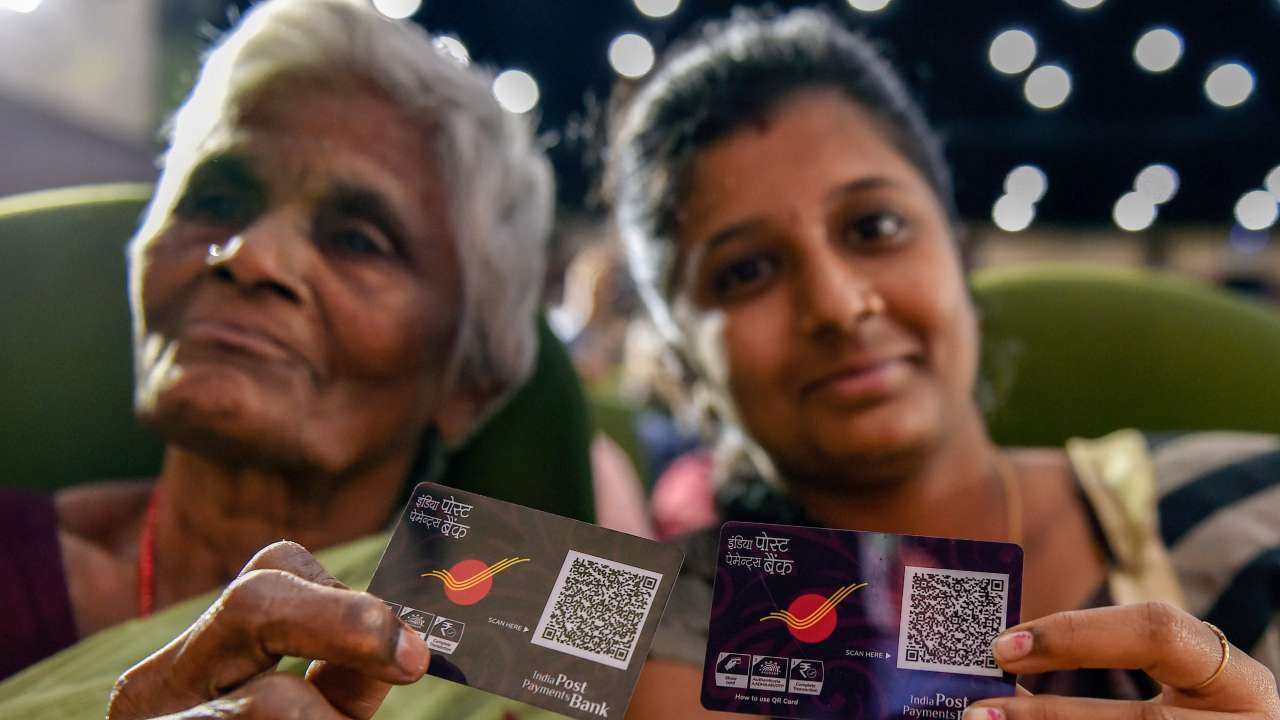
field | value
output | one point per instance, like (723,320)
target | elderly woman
(337,274)
(789,221)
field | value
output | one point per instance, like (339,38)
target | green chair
(66,368)
(1073,350)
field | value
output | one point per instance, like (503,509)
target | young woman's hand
(283,603)
(1203,678)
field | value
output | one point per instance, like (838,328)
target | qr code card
(525,604)
(817,623)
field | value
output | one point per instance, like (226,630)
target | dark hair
(724,75)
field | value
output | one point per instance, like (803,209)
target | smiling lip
(238,337)
(860,381)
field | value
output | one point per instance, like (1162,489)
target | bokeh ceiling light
(657,8)
(1134,212)
(516,90)
(1157,182)
(1229,85)
(453,47)
(1012,51)
(398,9)
(1047,87)
(1013,214)
(1083,4)
(22,6)
(1026,182)
(1158,50)
(631,55)
(869,6)
(1257,210)
(1272,183)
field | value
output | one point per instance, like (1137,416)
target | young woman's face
(821,288)
(316,333)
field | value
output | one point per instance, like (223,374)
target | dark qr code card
(525,604)
(817,623)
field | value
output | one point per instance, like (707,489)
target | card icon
(733,670)
(445,634)
(806,677)
(417,619)
(768,673)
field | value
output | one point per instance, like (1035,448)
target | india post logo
(469,581)
(811,618)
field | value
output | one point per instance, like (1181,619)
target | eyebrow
(227,168)
(352,200)
(737,231)
(861,185)
(734,232)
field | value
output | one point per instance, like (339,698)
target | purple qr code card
(817,623)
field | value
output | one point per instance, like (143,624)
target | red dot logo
(811,618)
(463,572)
(806,605)
(469,581)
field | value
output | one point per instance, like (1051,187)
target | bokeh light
(1012,51)
(1158,50)
(1229,84)
(22,6)
(1257,210)
(1134,212)
(1013,214)
(1272,183)
(657,8)
(1047,87)
(516,90)
(453,48)
(398,9)
(1157,182)
(869,6)
(1026,182)
(631,55)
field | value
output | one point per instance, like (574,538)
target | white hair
(501,184)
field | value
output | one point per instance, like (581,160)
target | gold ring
(1226,655)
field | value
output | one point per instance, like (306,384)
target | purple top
(35,606)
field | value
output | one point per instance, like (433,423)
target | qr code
(597,609)
(950,618)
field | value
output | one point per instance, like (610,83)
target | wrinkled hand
(283,603)
(1174,648)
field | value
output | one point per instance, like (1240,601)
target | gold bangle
(1226,655)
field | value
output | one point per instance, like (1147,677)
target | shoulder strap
(1119,482)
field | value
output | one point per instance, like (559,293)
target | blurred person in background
(598,304)
(592,317)
(335,278)
(788,217)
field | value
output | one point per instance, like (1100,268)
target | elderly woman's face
(822,289)
(298,305)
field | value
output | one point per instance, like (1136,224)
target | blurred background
(1118,131)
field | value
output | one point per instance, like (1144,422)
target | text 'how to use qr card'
(525,604)
(816,623)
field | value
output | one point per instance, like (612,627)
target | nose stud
(873,303)
(215,254)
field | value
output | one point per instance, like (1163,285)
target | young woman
(789,222)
